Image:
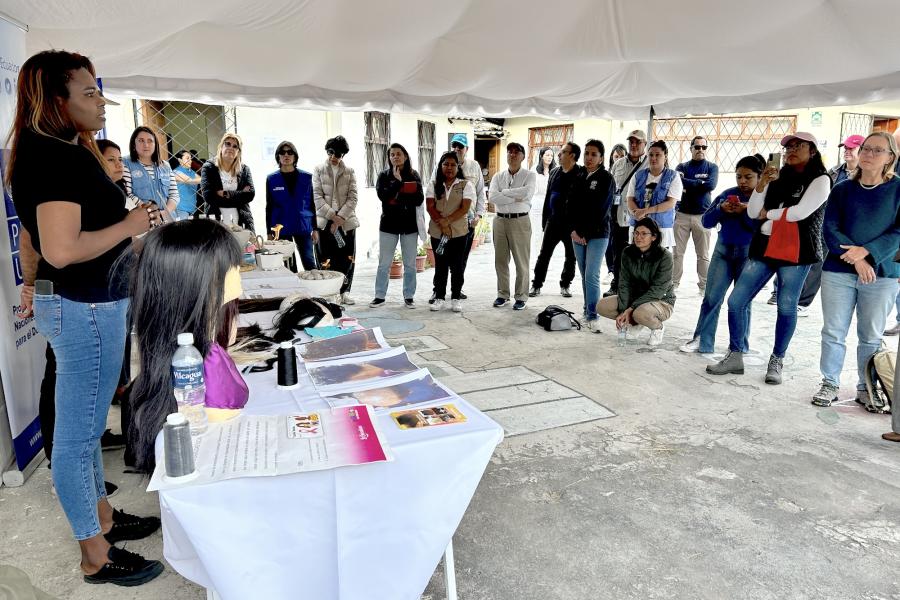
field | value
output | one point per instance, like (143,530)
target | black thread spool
(287,366)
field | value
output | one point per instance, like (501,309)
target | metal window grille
(186,126)
(378,138)
(426,149)
(729,138)
(554,137)
(856,124)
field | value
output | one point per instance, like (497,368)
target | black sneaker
(130,527)
(126,569)
(111,441)
(565,292)
(463,296)
(519,305)
(410,303)
(432,299)
(376,302)
(773,299)
(501,302)
(111,489)
(535,291)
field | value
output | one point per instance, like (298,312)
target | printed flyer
(347,373)
(446,414)
(364,341)
(418,387)
(259,446)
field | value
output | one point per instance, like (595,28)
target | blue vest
(294,211)
(664,219)
(155,188)
(187,192)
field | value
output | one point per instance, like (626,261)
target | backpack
(556,318)
(880,381)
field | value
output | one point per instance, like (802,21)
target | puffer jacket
(330,202)
(645,277)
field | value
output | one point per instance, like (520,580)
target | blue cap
(460,138)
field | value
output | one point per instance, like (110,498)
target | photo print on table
(365,341)
(344,373)
(418,387)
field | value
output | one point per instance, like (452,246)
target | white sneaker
(437,305)
(691,346)
(656,336)
(593,325)
(802,311)
(456,305)
(347,299)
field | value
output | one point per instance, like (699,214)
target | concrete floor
(698,487)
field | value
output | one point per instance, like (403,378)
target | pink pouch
(225,388)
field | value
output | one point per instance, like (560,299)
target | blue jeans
(305,246)
(724,269)
(842,295)
(89,343)
(589,258)
(755,275)
(387,243)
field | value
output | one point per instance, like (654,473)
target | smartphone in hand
(774,160)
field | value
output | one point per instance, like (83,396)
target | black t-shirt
(48,170)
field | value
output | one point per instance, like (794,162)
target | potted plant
(429,253)
(485,225)
(396,266)
(420,259)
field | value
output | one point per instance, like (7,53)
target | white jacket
(331,201)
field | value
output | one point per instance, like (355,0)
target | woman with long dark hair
(797,192)
(334,190)
(227,185)
(448,199)
(729,212)
(183,282)
(147,177)
(75,228)
(859,276)
(546,162)
(399,188)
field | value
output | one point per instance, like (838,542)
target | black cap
(516,146)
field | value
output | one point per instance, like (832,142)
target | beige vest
(447,204)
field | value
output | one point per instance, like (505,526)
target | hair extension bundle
(252,305)
(306,312)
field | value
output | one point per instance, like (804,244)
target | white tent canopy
(505,58)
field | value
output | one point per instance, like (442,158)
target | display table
(367,532)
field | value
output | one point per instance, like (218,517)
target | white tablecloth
(370,532)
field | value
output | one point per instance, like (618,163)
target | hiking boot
(564,291)
(691,346)
(732,364)
(656,336)
(535,291)
(126,569)
(826,395)
(773,371)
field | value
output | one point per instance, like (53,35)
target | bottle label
(188,377)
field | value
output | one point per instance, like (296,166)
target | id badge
(617,199)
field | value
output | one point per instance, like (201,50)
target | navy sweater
(737,229)
(859,217)
(699,179)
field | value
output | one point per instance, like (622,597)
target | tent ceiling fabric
(582,58)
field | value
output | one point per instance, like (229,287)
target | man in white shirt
(511,192)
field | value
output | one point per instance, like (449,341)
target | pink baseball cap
(800,135)
(853,141)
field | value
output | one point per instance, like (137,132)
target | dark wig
(754,162)
(439,176)
(406,170)
(338,144)
(654,230)
(540,162)
(132,147)
(178,286)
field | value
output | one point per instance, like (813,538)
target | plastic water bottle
(339,238)
(189,387)
(622,337)
(441,245)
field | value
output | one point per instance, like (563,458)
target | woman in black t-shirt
(75,227)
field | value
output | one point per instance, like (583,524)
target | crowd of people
(783,221)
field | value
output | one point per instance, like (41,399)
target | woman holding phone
(796,193)
(729,212)
(75,229)
(399,188)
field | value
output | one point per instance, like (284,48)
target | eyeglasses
(642,234)
(286,152)
(699,147)
(873,150)
(331,152)
(230,144)
(793,147)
